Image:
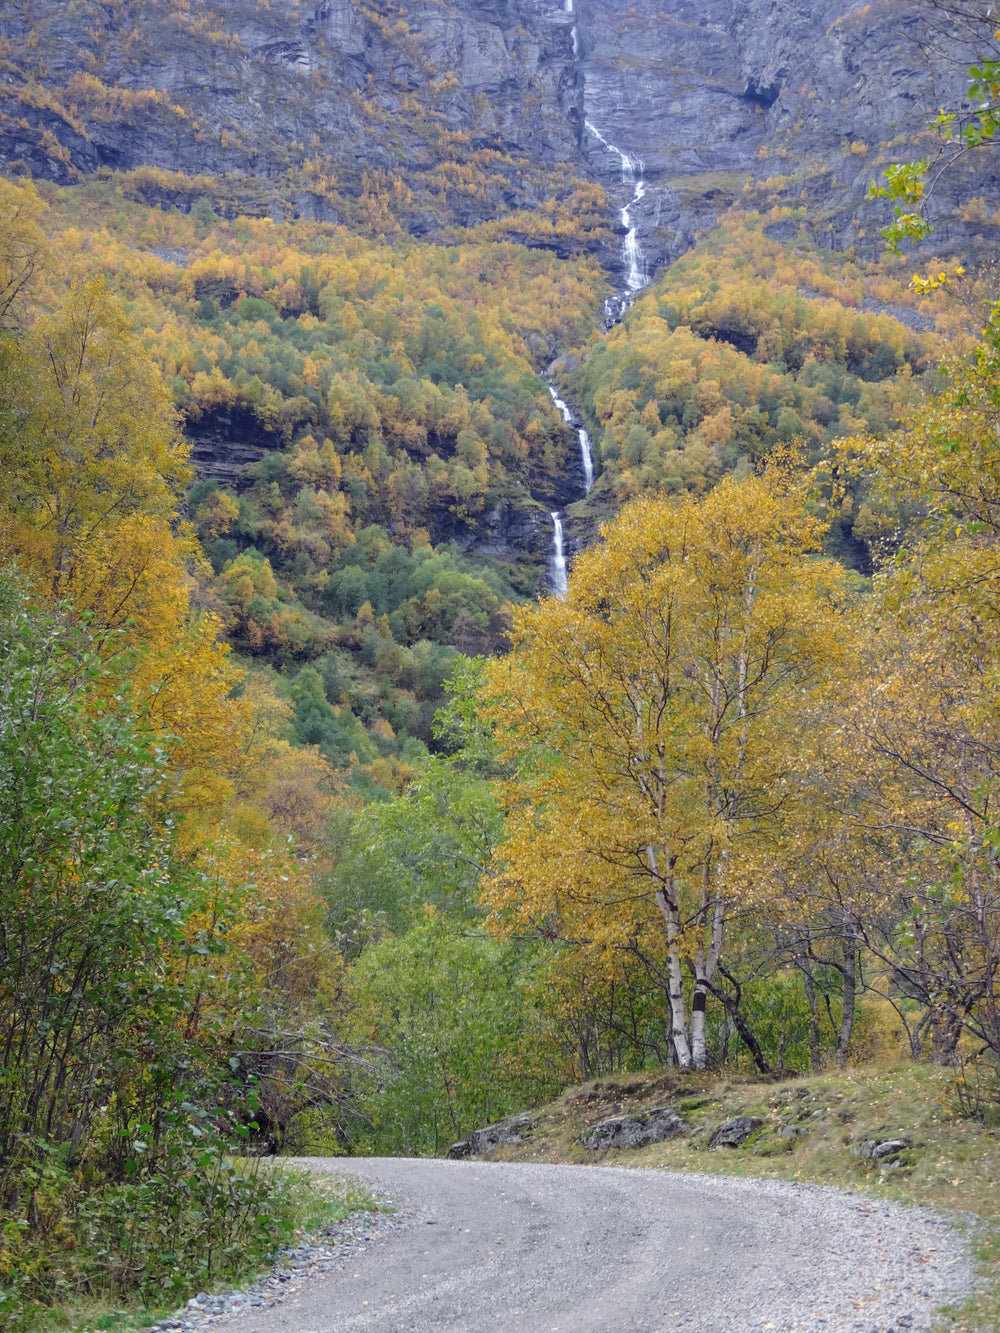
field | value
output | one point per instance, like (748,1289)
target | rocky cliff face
(422,114)
(310,101)
(716,96)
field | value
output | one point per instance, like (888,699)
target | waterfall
(631,169)
(637,277)
(557,564)
(574,35)
(560,583)
(586,455)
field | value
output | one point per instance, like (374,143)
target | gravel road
(491,1247)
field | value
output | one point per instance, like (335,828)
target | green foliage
(741,346)
(115,1117)
(185,1215)
(91,895)
(464,1044)
(429,847)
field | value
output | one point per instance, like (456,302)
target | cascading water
(574,36)
(631,167)
(586,455)
(557,564)
(637,276)
(560,582)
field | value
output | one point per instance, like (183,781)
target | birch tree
(656,716)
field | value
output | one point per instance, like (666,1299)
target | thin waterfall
(631,169)
(574,35)
(586,454)
(560,583)
(637,277)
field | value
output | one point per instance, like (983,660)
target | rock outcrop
(734,1133)
(424,114)
(633,1131)
(515,1129)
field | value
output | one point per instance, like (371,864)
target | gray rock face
(252,90)
(515,1129)
(787,99)
(634,1131)
(720,95)
(734,1133)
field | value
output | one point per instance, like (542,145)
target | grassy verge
(304,1204)
(812,1129)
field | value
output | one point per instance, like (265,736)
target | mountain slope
(420,116)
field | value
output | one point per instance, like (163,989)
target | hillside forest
(326,827)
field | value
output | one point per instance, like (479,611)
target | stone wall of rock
(713,96)
(721,93)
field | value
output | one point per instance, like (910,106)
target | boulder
(515,1129)
(734,1133)
(880,1150)
(633,1131)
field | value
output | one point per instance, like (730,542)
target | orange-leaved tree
(657,717)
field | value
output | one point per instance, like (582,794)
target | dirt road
(562,1249)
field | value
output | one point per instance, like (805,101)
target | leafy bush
(114,1173)
(187,1214)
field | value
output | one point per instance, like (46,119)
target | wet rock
(633,1131)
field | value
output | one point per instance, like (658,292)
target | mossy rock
(768,1145)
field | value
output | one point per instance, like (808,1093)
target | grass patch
(307,1203)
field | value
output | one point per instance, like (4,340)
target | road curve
(496,1247)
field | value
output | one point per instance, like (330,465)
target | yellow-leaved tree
(924,733)
(659,719)
(88,436)
(23,248)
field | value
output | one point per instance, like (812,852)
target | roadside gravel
(332,1247)
(487,1247)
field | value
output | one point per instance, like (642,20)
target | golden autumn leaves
(92,470)
(720,735)
(656,716)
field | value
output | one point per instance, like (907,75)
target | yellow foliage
(657,718)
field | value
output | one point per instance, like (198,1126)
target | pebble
(312,1255)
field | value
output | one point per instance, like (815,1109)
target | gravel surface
(488,1247)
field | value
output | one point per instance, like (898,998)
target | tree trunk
(946,1028)
(678,1024)
(815,1042)
(850,974)
(704,972)
(732,1007)
(699,1041)
(675,976)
